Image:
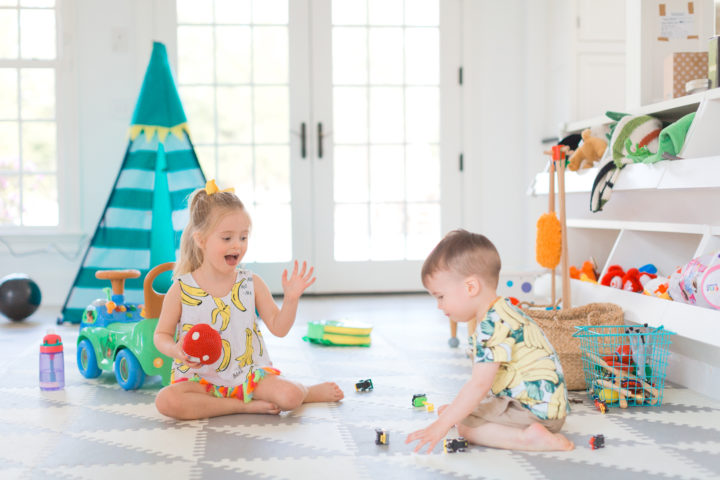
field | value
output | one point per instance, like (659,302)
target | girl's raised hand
(298,282)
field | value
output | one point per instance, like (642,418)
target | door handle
(303,141)
(320,139)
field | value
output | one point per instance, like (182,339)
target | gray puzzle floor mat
(94,430)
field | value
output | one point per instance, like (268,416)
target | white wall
(514,96)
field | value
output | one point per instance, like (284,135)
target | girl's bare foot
(258,406)
(537,437)
(324,392)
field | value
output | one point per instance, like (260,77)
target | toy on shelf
(613,277)
(364,385)
(382,437)
(452,445)
(202,343)
(657,287)
(586,273)
(339,332)
(697,282)
(115,335)
(597,441)
(590,151)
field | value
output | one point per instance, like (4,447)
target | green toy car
(119,336)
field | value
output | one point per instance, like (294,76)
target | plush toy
(657,287)
(203,344)
(586,273)
(613,277)
(589,152)
(631,281)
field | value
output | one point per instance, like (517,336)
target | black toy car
(597,441)
(382,437)
(364,385)
(452,445)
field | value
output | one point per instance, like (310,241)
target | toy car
(364,385)
(118,336)
(599,404)
(419,400)
(452,445)
(597,441)
(382,437)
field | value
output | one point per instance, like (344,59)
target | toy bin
(624,365)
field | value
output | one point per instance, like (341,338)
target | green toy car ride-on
(118,336)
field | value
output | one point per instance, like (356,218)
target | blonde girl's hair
(467,254)
(205,211)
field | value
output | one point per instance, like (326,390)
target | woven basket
(559,327)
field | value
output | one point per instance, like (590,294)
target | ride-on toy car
(118,336)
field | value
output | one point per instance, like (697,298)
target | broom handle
(567,302)
(551,208)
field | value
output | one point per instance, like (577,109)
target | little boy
(516,397)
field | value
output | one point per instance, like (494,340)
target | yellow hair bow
(211,187)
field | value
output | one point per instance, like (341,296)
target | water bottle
(52,364)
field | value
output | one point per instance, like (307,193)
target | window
(28,117)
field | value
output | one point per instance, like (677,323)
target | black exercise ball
(19,296)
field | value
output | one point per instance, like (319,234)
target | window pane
(195,54)
(38,146)
(192,11)
(272,123)
(422,12)
(423,229)
(37,34)
(386,12)
(38,93)
(270,238)
(272,174)
(37,3)
(206,157)
(349,56)
(422,174)
(233,55)
(270,55)
(386,56)
(422,114)
(231,11)
(387,232)
(351,233)
(386,115)
(234,107)
(40,207)
(350,169)
(235,167)
(8,99)
(9,200)
(270,12)
(9,146)
(386,168)
(350,115)
(349,13)
(8,34)
(198,106)
(422,56)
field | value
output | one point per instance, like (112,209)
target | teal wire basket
(625,365)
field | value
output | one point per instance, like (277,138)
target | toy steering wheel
(117,278)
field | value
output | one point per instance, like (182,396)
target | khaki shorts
(507,411)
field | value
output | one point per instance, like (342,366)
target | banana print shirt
(233,316)
(530,369)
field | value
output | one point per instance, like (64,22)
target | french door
(336,121)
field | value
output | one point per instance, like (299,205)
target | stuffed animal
(589,152)
(657,287)
(631,281)
(613,277)
(586,273)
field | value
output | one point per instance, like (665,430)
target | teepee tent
(147,208)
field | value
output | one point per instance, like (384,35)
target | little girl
(208,288)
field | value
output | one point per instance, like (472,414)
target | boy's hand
(430,435)
(298,282)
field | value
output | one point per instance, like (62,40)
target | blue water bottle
(52,363)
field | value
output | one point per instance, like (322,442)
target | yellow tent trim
(162,132)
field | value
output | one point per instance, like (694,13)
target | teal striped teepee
(147,208)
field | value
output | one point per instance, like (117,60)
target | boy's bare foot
(324,392)
(538,438)
(258,406)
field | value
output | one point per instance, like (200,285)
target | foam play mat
(95,430)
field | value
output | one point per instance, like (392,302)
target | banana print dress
(530,369)
(244,359)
